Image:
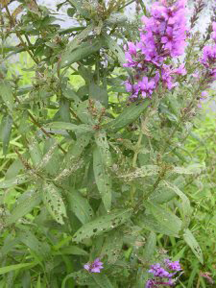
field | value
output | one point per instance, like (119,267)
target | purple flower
(151,284)
(158,271)
(162,36)
(146,87)
(94,267)
(214,31)
(174,266)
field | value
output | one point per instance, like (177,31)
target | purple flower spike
(94,267)
(174,266)
(158,271)
(151,284)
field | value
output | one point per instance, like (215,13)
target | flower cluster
(208,59)
(163,37)
(163,276)
(94,267)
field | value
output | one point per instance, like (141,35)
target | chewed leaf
(102,224)
(54,202)
(102,179)
(193,244)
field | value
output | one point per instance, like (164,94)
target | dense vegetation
(102,157)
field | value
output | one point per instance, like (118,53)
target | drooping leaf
(193,244)
(102,179)
(102,224)
(54,202)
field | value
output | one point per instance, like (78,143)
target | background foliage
(87,174)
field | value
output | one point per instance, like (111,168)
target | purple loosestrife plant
(161,39)
(94,267)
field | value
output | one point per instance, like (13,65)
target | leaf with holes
(54,202)
(102,179)
(102,224)
(193,244)
(103,146)
(112,246)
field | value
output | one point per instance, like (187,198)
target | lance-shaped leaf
(102,178)
(54,202)
(7,94)
(129,115)
(18,180)
(102,224)
(25,203)
(80,206)
(193,244)
(11,268)
(112,246)
(103,146)
(5,131)
(186,209)
(115,48)
(150,246)
(82,128)
(160,220)
(83,51)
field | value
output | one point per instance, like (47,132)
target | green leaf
(129,115)
(160,220)
(54,202)
(189,170)
(103,146)
(25,203)
(102,224)
(35,152)
(98,93)
(73,250)
(102,281)
(21,179)
(144,171)
(116,49)
(7,94)
(150,247)
(5,128)
(83,51)
(10,268)
(193,244)
(80,129)
(80,206)
(102,179)
(42,250)
(81,6)
(112,246)
(186,209)
(77,40)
